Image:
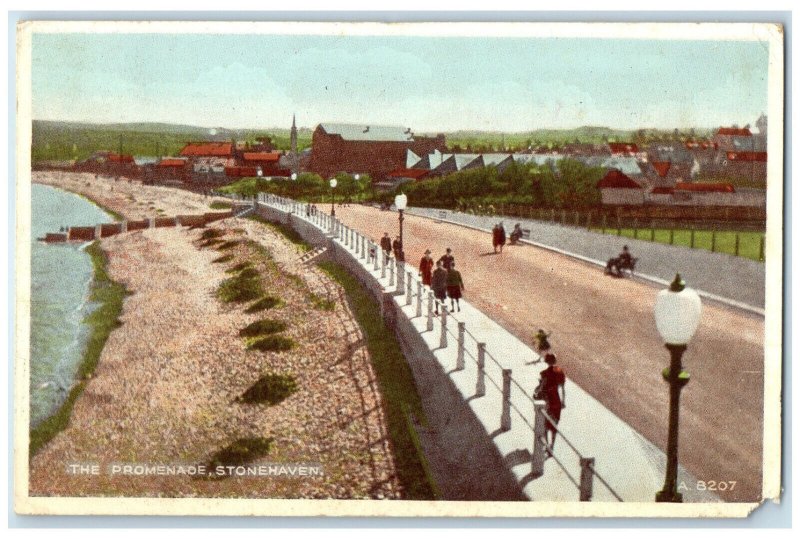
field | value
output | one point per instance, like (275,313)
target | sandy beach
(129,198)
(165,391)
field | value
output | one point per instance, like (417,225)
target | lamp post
(401,201)
(677,314)
(333,185)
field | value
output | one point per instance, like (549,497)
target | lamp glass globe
(677,315)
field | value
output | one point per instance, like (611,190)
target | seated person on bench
(516,234)
(623,261)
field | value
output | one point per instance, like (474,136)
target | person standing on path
(501,236)
(447,259)
(495,236)
(397,247)
(552,379)
(386,245)
(455,284)
(439,286)
(426,267)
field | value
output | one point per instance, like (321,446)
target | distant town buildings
(376,150)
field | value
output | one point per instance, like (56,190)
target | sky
(430,84)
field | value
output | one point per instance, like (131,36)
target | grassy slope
(397,386)
(102,321)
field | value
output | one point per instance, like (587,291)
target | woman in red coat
(426,268)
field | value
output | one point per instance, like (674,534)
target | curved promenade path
(605,337)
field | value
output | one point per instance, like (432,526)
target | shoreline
(109,295)
(166,385)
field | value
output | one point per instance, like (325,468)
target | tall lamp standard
(333,185)
(677,314)
(400,201)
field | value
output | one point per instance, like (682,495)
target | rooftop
(391,133)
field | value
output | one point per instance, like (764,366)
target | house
(207,149)
(618,189)
(376,150)
(624,149)
(268,162)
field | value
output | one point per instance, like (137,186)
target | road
(605,337)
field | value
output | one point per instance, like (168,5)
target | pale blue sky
(428,84)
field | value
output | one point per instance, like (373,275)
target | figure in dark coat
(426,268)
(455,284)
(439,285)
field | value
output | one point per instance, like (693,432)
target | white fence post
(587,477)
(443,335)
(431,299)
(462,329)
(480,385)
(391,272)
(383,264)
(505,416)
(419,298)
(539,442)
(408,288)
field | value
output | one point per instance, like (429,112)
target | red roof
(172,163)
(662,167)
(661,191)
(705,187)
(615,179)
(623,147)
(207,149)
(747,156)
(734,131)
(415,173)
(261,156)
(117,158)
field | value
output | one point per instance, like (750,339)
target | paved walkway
(736,278)
(631,465)
(606,340)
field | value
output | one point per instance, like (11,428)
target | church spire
(293,142)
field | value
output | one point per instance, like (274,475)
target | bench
(526,235)
(613,267)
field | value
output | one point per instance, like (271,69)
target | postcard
(414,269)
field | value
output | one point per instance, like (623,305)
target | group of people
(389,247)
(445,280)
(499,236)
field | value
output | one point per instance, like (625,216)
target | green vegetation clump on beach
(239,289)
(222,259)
(220,205)
(109,295)
(266,326)
(227,244)
(270,388)
(239,267)
(271,343)
(397,386)
(211,233)
(323,304)
(241,451)
(264,303)
(210,243)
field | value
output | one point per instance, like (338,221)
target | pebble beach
(167,387)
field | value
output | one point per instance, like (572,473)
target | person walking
(501,236)
(426,267)
(495,236)
(455,284)
(542,342)
(447,259)
(386,245)
(552,379)
(439,286)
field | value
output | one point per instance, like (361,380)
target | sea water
(61,277)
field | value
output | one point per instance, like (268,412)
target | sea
(61,277)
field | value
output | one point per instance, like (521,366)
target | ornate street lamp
(677,314)
(333,185)
(401,201)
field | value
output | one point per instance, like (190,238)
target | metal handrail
(486,375)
